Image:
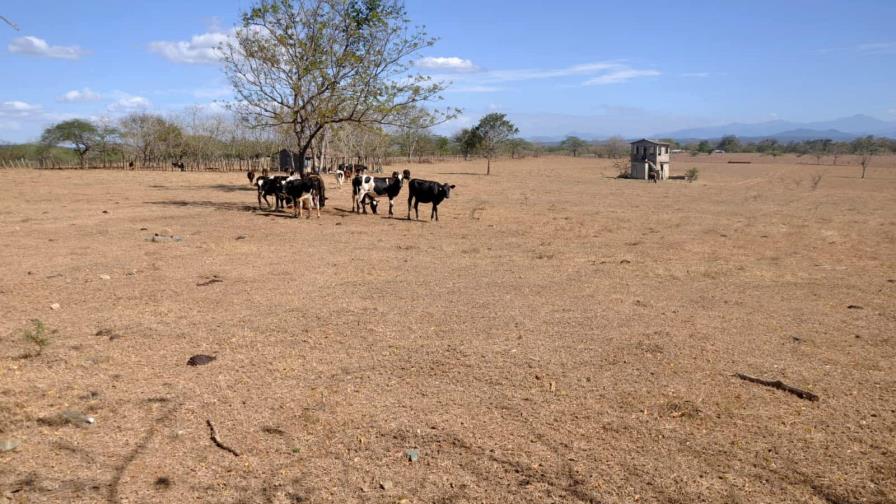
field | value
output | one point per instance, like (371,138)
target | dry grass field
(560,336)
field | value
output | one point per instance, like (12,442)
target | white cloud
(129,104)
(34,46)
(620,75)
(80,95)
(878,48)
(17,108)
(696,75)
(610,72)
(452,63)
(203,48)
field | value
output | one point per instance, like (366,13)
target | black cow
(366,188)
(270,186)
(427,191)
(179,165)
(250,174)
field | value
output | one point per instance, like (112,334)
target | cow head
(406,175)
(447,188)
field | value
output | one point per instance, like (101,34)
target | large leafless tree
(311,64)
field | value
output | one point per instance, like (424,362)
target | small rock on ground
(200,360)
(9,444)
(69,417)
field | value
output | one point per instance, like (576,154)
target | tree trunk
(488,169)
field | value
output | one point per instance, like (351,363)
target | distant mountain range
(846,128)
(843,129)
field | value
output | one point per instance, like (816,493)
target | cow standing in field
(270,186)
(366,188)
(427,191)
(302,191)
(250,174)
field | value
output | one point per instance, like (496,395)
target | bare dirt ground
(560,336)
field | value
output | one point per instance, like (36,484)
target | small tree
(866,148)
(704,146)
(574,144)
(78,133)
(468,141)
(107,137)
(516,146)
(616,147)
(838,149)
(729,143)
(494,130)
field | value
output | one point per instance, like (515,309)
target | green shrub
(36,335)
(692,174)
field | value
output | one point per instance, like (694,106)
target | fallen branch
(217,440)
(778,384)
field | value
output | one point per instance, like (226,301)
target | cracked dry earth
(560,336)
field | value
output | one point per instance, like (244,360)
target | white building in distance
(647,154)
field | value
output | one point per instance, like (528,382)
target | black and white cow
(270,186)
(427,191)
(301,191)
(366,189)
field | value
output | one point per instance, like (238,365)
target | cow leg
(391,204)
(434,214)
(417,209)
(410,199)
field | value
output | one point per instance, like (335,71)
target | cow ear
(451,186)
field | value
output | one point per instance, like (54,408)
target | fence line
(218,165)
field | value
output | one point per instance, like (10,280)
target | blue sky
(594,67)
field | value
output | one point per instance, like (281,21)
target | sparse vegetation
(815,180)
(37,336)
(622,169)
(692,174)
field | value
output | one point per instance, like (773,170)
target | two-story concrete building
(647,154)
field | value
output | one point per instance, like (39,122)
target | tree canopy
(310,64)
(573,144)
(81,134)
(493,131)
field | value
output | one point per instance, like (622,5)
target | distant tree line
(617,147)
(821,147)
(197,137)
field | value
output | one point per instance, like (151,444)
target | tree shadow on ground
(229,207)
(229,188)
(217,205)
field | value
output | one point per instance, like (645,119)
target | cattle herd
(309,191)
